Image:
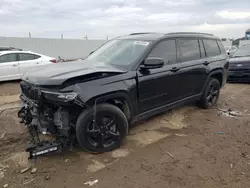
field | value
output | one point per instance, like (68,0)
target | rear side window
(222,48)
(189,49)
(211,47)
(27,56)
(8,58)
(165,50)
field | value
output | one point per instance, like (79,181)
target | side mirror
(152,63)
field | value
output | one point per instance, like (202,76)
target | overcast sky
(101,18)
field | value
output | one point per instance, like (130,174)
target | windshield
(242,51)
(119,52)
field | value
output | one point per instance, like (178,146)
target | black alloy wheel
(106,132)
(211,94)
(103,133)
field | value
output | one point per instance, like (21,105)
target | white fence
(69,48)
(227,43)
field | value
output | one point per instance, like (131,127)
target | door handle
(175,69)
(15,65)
(206,63)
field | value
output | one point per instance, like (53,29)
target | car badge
(27,78)
(239,65)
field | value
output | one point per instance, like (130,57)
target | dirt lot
(187,147)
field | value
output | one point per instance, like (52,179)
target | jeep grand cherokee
(94,100)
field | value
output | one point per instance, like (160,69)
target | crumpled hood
(239,60)
(56,74)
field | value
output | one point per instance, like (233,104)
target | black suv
(94,100)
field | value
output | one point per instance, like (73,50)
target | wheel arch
(217,74)
(118,98)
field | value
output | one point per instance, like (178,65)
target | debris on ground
(181,135)
(91,183)
(33,171)
(220,132)
(47,177)
(3,167)
(1,175)
(6,185)
(170,154)
(66,160)
(231,165)
(24,170)
(244,155)
(27,182)
(2,135)
(230,113)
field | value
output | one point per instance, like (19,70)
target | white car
(14,63)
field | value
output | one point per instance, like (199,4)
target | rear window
(28,56)
(211,47)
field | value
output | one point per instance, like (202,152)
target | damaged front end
(49,113)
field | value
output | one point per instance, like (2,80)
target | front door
(158,87)
(9,67)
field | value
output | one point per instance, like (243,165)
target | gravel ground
(186,147)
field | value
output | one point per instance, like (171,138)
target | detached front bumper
(37,146)
(43,148)
(49,113)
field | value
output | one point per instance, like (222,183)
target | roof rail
(142,33)
(194,33)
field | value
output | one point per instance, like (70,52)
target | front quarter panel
(119,87)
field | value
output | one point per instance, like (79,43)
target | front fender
(125,90)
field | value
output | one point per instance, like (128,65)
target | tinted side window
(211,47)
(26,57)
(8,58)
(189,49)
(203,55)
(222,48)
(165,50)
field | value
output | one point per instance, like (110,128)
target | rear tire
(210,95)
(108,131)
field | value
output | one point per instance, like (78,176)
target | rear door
(193,72)
(9,67)
(28,61)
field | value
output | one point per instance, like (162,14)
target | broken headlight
(60,97)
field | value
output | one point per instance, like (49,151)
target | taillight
(53,60)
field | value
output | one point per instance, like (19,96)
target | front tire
(106,133)
(210,94)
